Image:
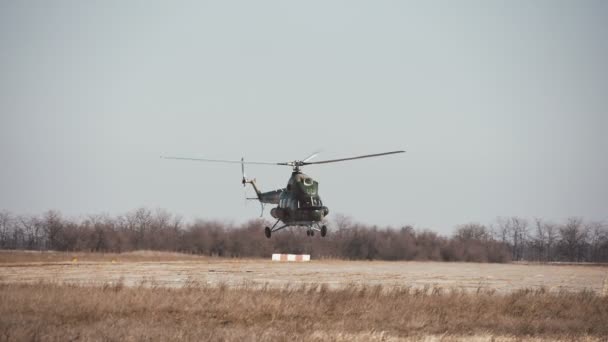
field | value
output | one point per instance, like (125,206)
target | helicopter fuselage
(299,203)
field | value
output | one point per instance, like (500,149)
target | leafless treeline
(507,239)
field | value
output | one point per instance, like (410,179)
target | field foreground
(168,296)
(306,312)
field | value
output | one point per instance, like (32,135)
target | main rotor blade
(222,161)
(351,158)
(314,155)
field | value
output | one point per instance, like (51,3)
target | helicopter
(299,203)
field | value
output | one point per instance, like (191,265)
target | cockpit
(293,203)
(312,201)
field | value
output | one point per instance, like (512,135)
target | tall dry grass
(248,312)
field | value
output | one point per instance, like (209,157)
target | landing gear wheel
(267,232)
(308,233)
(312,233)
(323,231)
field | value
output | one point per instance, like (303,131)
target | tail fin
(243,171)
(245,180)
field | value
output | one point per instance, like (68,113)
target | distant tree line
(514,238)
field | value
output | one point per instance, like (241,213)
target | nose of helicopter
(320,213)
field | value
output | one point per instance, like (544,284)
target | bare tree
(157,233)
(99,231)
(539,241)
(500,231)
(551,236)
(429,245)
(32,232)
(472,231)
(6,225)
(572,239)
(598,239)
(513,232)
(519,231)
(139,223)
(53,230)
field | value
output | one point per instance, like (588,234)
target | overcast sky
(501,106)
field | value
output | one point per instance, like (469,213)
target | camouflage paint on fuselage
(298,203)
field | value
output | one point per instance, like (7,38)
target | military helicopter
(299,203)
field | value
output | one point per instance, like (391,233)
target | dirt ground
(336,274)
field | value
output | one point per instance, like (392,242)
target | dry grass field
(166,296)
(291,313)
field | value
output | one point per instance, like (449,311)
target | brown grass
(16,257)
(46,311)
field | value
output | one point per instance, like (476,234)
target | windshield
(312,201)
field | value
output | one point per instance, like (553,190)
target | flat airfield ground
(169,296)
(177,272)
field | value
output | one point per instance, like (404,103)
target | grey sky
(502,106)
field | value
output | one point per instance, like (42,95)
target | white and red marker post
(291,257)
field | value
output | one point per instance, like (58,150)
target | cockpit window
(310,202)
(308,181)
